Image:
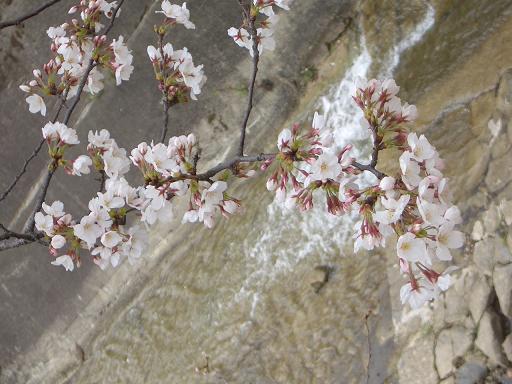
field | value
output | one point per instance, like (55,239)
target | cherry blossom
(180,14)
(36,104)
(66,261)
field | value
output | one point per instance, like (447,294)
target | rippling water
(240,307)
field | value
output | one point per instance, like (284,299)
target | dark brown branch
(376,147)
(21,19)
(369,168)
(255,60)
(229,164)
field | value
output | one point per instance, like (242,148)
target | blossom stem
(29,15)
(165,127)
(369,168)
(255,60)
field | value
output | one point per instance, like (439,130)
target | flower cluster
(308,162)
(74,45)
(415,206)
(263,28)
(59,137)
(103,223)
(175,71)
(106,154)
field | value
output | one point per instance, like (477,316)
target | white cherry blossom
(412,249)
(180,14)
(66,261)
(56,209)
(36,104)
(81,166)
(416,294)
(448,239)
(88,230)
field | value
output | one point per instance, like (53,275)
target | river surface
(245,304)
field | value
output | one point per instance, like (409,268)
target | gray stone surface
(480,295)
(506,211)
(507,347)
(471,373)
(489,252)
(502,279)
(416,365)
(450,344)
(491,219)
(489,338)
(477,233)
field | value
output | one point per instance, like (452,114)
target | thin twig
(232,162)
(367,327)
(376,147)
(255,60)
(21,19)
(166,121)
(369,168)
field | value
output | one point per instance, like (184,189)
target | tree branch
(166,121)
(28,229)
(21,19)
(255,60)
(369,168)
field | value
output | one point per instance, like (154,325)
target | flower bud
(36,73)
(72,10)
(25,88)
(33,83)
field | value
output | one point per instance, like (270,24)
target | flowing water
(246,304)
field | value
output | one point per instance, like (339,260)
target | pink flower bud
(25,88)
(72,10)
(36,73)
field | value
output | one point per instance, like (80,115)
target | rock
(502,279)
(507,347)
(456,303)
(499,173)
(470,373)
(480,295)
(500,146)
(451,343)
(509,241)
(504,94)
(483,255)
(509,130)
(506,210)
(416,364)
(490,337)
(489,252)
(481,108)
(478,231)
(502,253)
(449,380)
(491,219)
